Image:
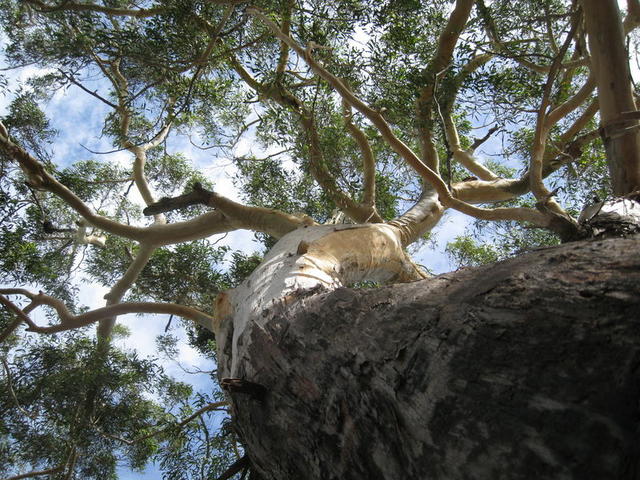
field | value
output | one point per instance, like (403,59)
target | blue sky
(79,117)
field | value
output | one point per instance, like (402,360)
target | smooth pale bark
(313,257)
(526,369)
(610,62)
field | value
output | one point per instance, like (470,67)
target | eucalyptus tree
(365,112)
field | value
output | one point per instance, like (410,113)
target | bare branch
(465,157)
(479,141)
(210,223)
(197,414)
(368,159)
(86,7)
(521,214)
(543,124)
(90,92)
(573,102)
(69,321)
(271,221)
(12,391)
(38,473)
(440,62)
(284,48)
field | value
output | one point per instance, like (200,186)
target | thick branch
(271,221)
(211,223)
(420,218)
(441,60)
(521,214)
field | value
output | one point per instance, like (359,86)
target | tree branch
(39,178)
(12,391)
(271,221)
(284,48)
(205,225)
(317,167)
(440,62)
(359,213)
(85,7)
(179,425)
(544,122)
(236,467)
(368,159)
(69,321)
(38,473)
(520,214)
(90,92)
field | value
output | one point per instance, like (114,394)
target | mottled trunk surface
(527,369)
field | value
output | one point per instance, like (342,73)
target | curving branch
(215,406)
(39,178)
(268,220)
(446,198)
(70,6)
(38,473)
(368,158)
(465,156)
(361,213)
(545,120)
(7,372)
(69,321)
(210,223)
(438,65)
(420,218)
(317,163)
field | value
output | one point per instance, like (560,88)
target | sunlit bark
(609,60)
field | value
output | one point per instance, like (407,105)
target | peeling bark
(526,369)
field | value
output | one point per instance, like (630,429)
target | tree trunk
(610,62)
(526,369)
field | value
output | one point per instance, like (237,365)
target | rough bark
(526,369)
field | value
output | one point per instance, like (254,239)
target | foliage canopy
(358,111)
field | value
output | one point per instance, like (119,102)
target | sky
(70,108)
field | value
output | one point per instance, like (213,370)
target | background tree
(365,113)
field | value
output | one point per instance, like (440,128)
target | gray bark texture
(525,369)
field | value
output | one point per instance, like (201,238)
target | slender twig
(179,425)
(90,92)
(12,391)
